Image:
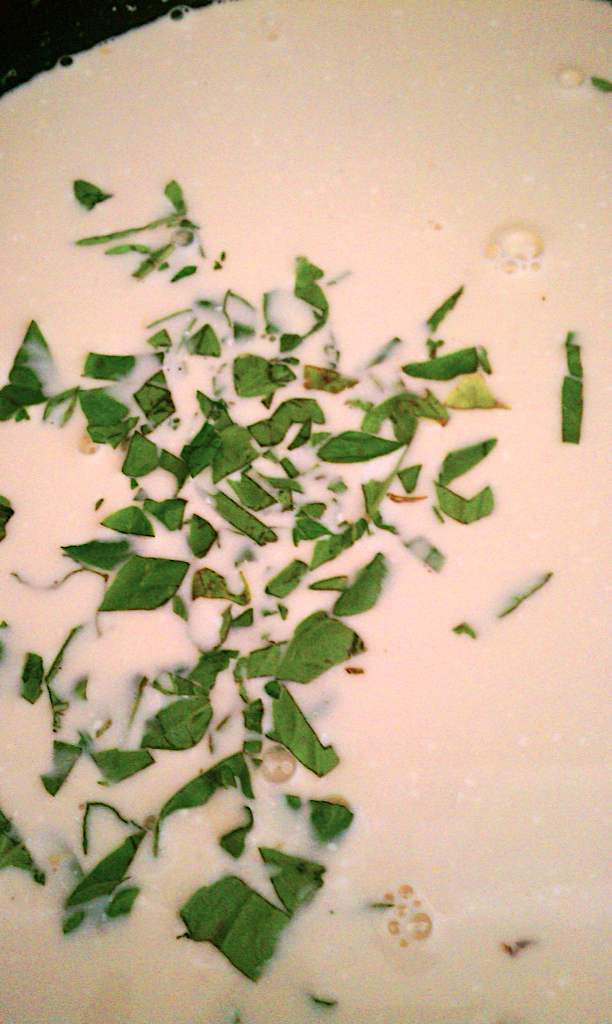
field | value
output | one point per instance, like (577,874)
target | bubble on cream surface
(515,247)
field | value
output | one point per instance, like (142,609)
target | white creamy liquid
(419,147)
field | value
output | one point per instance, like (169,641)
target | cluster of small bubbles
(515,247)
(278,764)
(408,920)
(570,77)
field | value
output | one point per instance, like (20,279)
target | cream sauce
(419,147)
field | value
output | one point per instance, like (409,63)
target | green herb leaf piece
(155,400)
(242,925)
(14,853)
(183,272)
(296,410)
(6,511)
(180,726)
(251,493)
(106,423)
(441,312)
(253,714)
(230,773)
(102,367)
(89,195)
(169,512)
(141,458)
(32,676)
(130,520)
(318,1001)
(122,902)
(264,661)
(201,537)
(571,410)
(572,351)
(294,802)
(465,510)
(235,451)
(67,398)
(172,464)
(464,360)
(65,756)
(329,548)
(364,592)
(318,643)
(295,880)
(472,392)
(464,627)
(208,583)
(409,478)
(384,352)
(101,554)
(255,376)
(204,342)
(356,446)
(240,315)
(144,583)
(518,599)
(426,553)
(329,819)
(107,875)
(200,452)
(331,583)
(174,193)
(233,842)
(287,580)
(319,378)
(208,668)
(161,339)
(603,84)
(306,288)
(117,765)
(26,385)
(293,731)
(243,521)
(461,460)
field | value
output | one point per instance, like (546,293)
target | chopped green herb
(202,536)
(294,802)
(155,400)
(253,715)
(384,352)
(295,880)
(572,394)
(287,580)
(161,339)
(294,732)
(89,195)
(65,756)
(464,360)
(329,819)
(356,446)
(227,774)
(441,312)
(329,548)
(102,367)
(130,520)
(472,392)
(318,378)
(26,385)
(179,726)
(409,478)
(255,376)
(184,272)
(169,512)
(208,583)
(426,553)
(461,460)
(364,592)
(295,410)
(319,643)
(319,1001)
(243,521)
(32,676)
(264,661)
(465,510)
(102,554)
(178,607)
(107,875)
(106,422)
(234,451)
(464,627)
(14,853)
(233,842)
(122,902)
(144,583)
(518,599)
(117,765)
(603,84)
(141,458)
(331,583)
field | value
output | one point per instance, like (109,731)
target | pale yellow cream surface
(406,148)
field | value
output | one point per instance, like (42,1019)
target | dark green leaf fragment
(319,378)
(101,554)
(240,315)
(255,376)
(264,661)
(202,536)
(251,493)
(409,478)
(130,520)
(144,583)
(571,410)
(14,853)
(155,400)
(295,410)
(603,84)
(295,880)
(210,584)
(294,802)
(106,423)
(117,765)
(243,521)
(356,446)
(89,195)
(238,921)
(208,668)
(235,451)
(306,288)
(5,514)
(122,902)
(26,387)
(329,819)
(107,875)
(253,715)
(102,367)
(294,732)
(172,464)
(465,510)
(32,676)
(233,842)
(200,452)
(384,352)
(73,921)
(461,460)
(183,272)
(319,1001)
(287,580)
(426,553)
(59,657)
(329,548)
(318,643)
(230,773)
(174,193)
(572,351)
(438,316)
(464,627)
(331,583)
(519,598)
(364,592)
(179,726)
(204,342)
(464,360)
(169,512)
(161,339)
(65,756)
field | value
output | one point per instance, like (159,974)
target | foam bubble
(570,77)
(515,247)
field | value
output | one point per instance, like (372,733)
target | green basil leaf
(400,410)
(465,510)
(571,410)
(287,580)
(306,288)
(169,512)
(472,392)
(32,676)
(253,713)
(331,583)
(409,478)
(235,452)
(356,446)
(101,554)
(89,195)
(384,352)
(209,666)
(242,925)
(6,511)
(255,376)
(318,1001)
(426,553)
(200,452)
(202,536)
(243,521)
(294,732)
(438,316)
(329,819)
(230,773)
(464,627)
(107,875)
(172,464)
(251,494)
(240,315)
(141,457)
(572,351)
(174,193)
(461,460)
(14,853)
(264,661)
(603,84)
(161,339)
(464,360)
(318,643)
(319,378)
(295,410)
(155,400)
(233,842)
(144,583)
(106,423)
(294,802)
(180,726)
(130,520)
(329,548)
(184,272)
(518,599)
(117,765)
(102,367)
(295,880)
(208,583)
(122,902)
(65,756)
(204,342)
(26,386)
(364,592)
(307,528)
